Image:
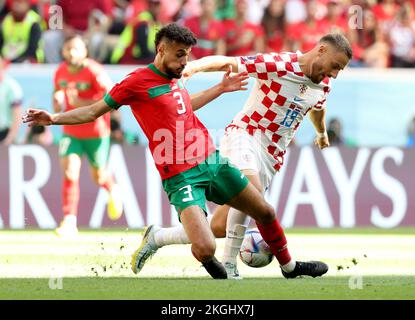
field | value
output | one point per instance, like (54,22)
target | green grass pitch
(364,264)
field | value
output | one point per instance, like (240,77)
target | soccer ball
(254,251)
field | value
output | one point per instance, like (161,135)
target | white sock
(289,267)
(173,235)
(236,225)
(70,219)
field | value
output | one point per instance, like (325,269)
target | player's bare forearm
(211,63)
(318,118)
(79,102)
(75,116)
(200,99)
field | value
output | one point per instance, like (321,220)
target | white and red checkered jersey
(280,99)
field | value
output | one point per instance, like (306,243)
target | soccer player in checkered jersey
(288,86)
(191,168)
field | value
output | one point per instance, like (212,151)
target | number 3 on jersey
(177,95)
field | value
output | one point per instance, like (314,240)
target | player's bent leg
(71,166)
(218,222)
(104,179)
(252,202)
(236,225)
(202,240)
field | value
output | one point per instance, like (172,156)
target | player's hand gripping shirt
(161,105)
(92,83)
(280,99)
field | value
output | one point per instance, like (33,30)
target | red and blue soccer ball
(254,251)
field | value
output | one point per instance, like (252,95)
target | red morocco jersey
(92,83)
(161,105)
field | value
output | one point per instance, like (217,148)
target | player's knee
(204,251)
(99,177)
(267,214)
(218,229)
(71,176)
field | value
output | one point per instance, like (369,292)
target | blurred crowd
(382,32)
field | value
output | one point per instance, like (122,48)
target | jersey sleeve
(122,93)
(263,66)
(321,104)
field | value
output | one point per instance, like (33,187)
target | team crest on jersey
(248,59)
(303,89)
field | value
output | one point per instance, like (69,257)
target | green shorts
(96,149)
(215,180)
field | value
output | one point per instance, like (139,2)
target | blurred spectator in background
(385,11)
(136,43)
(91,19)
(39,135)
(21,33)
(295,11)
(336,135)
(256,9)
(370,48)
(117,134)
(304,36)
(274,25)
(168,8)
(242,37)
(225,9)
(186,9)
(11,96)
(119,14)
(209,32)
(411,134)
(3,9)
(335,132)
(402,40)
(335,19)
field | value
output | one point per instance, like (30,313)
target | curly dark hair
(174,32)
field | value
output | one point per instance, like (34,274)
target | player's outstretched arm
(229,83)
(209,64)
(318,118)
(36,117)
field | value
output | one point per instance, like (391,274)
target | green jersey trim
(111,102)
(153,68)
(159,90)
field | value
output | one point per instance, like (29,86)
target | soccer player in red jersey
(191,169)
(78,82)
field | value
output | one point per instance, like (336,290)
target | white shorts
(247,153)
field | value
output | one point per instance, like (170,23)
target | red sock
(108,183)
(274,236)
(70,196)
